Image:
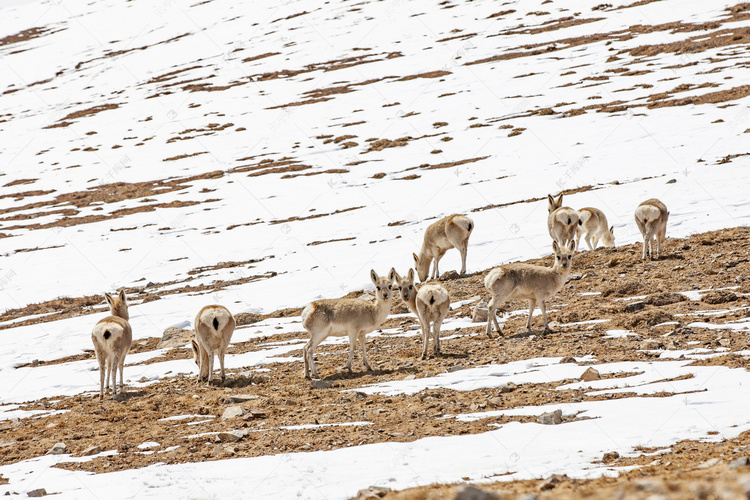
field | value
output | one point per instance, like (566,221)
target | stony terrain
(271,403)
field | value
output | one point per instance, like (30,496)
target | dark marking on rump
(470,226)
(107,334)
(580,222)
(569,221)
(216,323)
(432,299)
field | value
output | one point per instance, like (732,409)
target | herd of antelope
(356,318)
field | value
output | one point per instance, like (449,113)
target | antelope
(351,317)
(449,232)
(214,326)
(561,221)
(526,281)
(430,304)
(112,337)
(651,217)
(592,226)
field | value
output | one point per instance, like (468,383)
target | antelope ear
(555,247)
(559,200)
(108,298)
(410,274)
(550,203)
(416,259)
(122,296)
(572,246)
(393,275)
(374,276)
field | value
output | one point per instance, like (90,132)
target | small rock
(174,337)
(590,374)
(739,462)
(552,481)
(575,277)
(610,456)
(410,377)
(230,436)
(35,362)
(709,463)
(450,275)
(719,297)
(725,342)
(650,345)
(671,181)
(143,380)
(39,492)
(635,306)
(470,492)
(231,412)
(742,449)
(672,345)
(495,401)
(58,449)
(241,398)
(319,383)
(91,450)
(550,418)
(366,296)
(455,368)
(247,318)
(509,387)
(371,493)
(650,486)
(480,312)
(568,359)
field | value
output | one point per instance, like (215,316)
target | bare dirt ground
(278,399)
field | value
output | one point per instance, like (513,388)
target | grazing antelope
(351,317)
(592,226)
(561,221)
(651,217)
(430,304)
(112,337)
(525,281)
(449,232)
(214,326)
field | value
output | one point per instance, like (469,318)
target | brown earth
(283,398)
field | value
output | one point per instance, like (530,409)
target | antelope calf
(651,217)
(592,226)
(525,281)
(449,232)
(214,326)
(561,221)
(112,337)
(430,304)
(351,317)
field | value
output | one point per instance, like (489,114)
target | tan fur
(592,226)
(449,232)
(651,218)
(351,317)
(214,326)
(525,281)
(561,221)
(430,304)
(112,337)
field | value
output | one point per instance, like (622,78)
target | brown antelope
(592,226)
(351,317)
(430,304)
(525,281)
(651,217)
(449,232)
(561,221)
(214,326)
(112,337)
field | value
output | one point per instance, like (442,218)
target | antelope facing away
(430,304)
(112,337)
(592,226)
(214,326)
(526,281)
(449,232)
(351,317)
(651,217)
(561,221)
